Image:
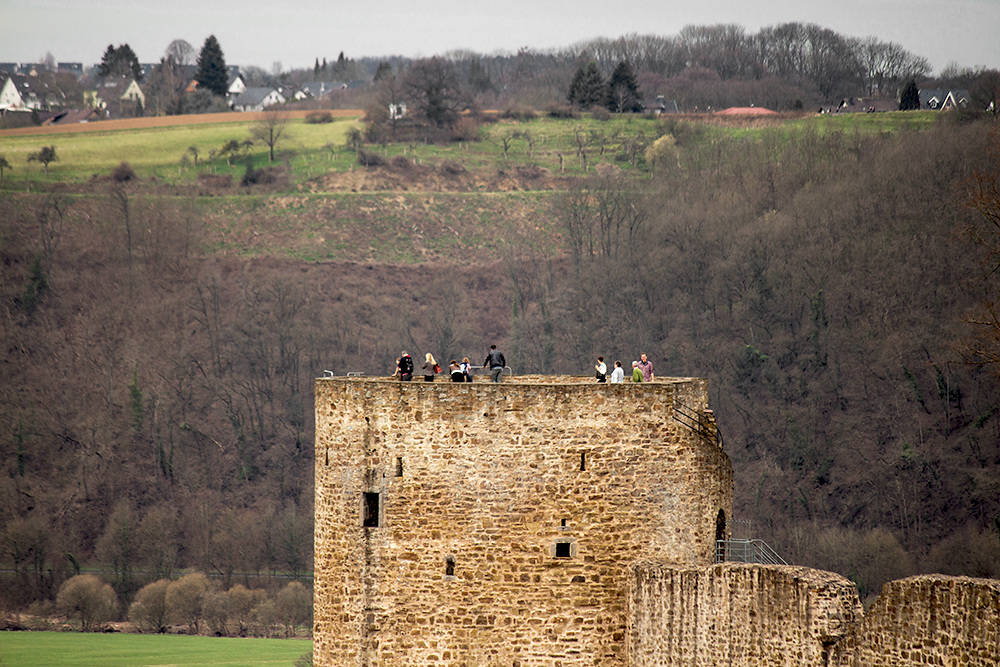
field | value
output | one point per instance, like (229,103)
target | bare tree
(271,129)
(180,52)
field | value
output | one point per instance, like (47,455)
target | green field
(74,649)
(309,150)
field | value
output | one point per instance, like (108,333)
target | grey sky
(296,32)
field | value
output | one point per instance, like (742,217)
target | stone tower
(493,524)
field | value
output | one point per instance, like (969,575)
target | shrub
(400,162)
(556,110)
(215,180)
(367,159)
(519,112)
(264,176)
(600,113)
(452,168)
(185,599)
(465,129)
(531,171)
(319,117)
(123,173)
(148,611)
(88,596)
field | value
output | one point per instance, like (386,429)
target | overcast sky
(296,32)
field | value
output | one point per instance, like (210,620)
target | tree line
(191,601)
(782,67)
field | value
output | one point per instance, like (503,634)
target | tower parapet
(479,523)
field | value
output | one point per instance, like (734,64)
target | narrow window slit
(583,460)
(371,510)
(399,466)
(449,566)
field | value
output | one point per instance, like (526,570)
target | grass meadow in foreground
(74,649)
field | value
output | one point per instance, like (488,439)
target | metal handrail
(693,422)
(746,551)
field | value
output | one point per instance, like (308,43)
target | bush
(215,180)
(88,596)
(265,176)
(556,110)
(465,129)
(123,173)
(452,168)
(400,162)
(366,159)
(519,112)
(319,117)
(148,611)
(185,599)
(600,113)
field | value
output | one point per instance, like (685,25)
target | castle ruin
(554,521)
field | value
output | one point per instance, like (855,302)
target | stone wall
(503,517)
(927,620)
(736,615)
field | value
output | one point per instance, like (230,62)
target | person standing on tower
(495,362)
(646,367)
(405,367)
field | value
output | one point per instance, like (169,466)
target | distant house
(660,105)
(318,89)
(941,99)
(866,105)
(397,111)
(70,117)
(236,86)
(10,96)
(76,69)
(257,99)
(112,91)
(25,93)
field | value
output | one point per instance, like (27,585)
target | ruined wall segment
(927,620)
(736,614)
(502,517)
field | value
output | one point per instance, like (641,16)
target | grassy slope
(73,649)
(312,149)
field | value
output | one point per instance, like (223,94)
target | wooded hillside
(156,404)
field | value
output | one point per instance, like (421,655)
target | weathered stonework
(737,615)
(927,620)
(506,515)
(559,522)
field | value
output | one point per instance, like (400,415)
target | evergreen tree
(909,99)
(120,61)
(587,89)
(623,89)
(382,70)
(213,75)
(316,69)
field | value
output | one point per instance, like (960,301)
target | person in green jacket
(636,372)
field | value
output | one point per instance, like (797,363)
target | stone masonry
(557,522)
(737,615)
(475,524)
(927,620)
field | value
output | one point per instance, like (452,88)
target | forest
(835,286)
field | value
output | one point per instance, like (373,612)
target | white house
(257,99)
